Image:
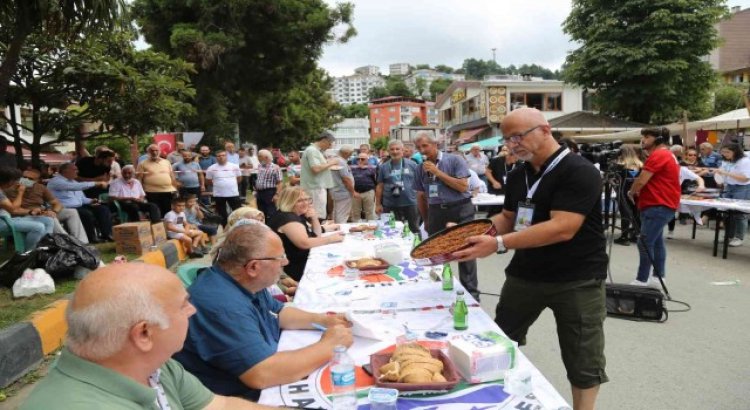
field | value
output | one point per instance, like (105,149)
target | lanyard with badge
(397,176)
(433,187)
(525,212)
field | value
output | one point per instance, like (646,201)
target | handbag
(635,302)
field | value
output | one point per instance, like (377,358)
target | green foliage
(728,97)
(352,111)
(439,86)
(443,68)
(416,122)
(377,92)
(644,58)
(246,53)
(397,87)
(379,143)
(421,85)
(476,69)
(422,67)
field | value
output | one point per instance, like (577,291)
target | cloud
(449,31)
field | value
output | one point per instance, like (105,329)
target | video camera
(604,154)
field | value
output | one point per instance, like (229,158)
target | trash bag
(62,253)
(33,282)
(13,268)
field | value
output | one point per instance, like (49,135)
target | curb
(24,345)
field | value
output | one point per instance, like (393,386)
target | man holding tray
(443,196)
(552,219)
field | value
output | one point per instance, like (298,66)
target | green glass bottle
(460,312)
(392,220)
(447,277)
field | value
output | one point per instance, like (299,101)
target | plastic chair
(18,238)
(121,215)
(188,272)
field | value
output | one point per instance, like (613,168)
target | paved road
(696,360)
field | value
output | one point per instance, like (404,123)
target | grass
(17,310)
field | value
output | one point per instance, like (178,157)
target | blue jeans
(651,241)
(739,220)
(33,228)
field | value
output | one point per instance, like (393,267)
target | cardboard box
(482,357)
(134,247)
(132,231)
(159,233)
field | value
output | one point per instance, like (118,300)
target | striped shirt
(269,175)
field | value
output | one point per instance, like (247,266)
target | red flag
(166,143)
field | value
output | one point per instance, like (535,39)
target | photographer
(390,195)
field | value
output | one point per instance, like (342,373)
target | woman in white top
(735,175)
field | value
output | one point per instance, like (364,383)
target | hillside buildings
(389,112)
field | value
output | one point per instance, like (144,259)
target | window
(377,130)
(392,119)
(391,109)
(376,111)
(377,120)
(540,101)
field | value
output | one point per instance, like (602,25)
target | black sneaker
(624,241)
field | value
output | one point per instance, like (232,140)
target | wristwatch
(500,245)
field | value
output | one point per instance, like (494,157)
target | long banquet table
(421,304)
(725,208)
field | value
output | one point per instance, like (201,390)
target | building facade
(473,110)
(367,70)
(352,131)
(732,58)
(389,112)
(355,89)
(398,69)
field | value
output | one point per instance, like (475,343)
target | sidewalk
(696,360)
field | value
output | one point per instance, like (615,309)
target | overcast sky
(448,31)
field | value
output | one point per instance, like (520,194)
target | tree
(21,18)
(377,92)
(438,86)
(379,143)
(728,97)
(397,87)
(244,51)
(422,67)
(420,85)
(416,122)
(352,111)
(443,69)
(644,59)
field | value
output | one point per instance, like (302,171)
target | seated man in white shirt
(128,191)
(476,185)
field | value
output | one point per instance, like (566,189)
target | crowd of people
(225,337)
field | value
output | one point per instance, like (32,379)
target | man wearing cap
(443,197)
(315,175)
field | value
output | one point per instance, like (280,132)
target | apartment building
(389,112)
(732,58)
(355,89)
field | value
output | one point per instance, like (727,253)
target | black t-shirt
(87,168)
(499,169)
(574,185)
(297,257)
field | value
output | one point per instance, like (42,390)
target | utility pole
(493,55)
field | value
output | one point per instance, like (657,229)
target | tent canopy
(485,144)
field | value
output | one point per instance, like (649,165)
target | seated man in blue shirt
(232,339)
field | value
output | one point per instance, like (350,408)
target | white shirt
(178,220)
(742,167)
(478,165)
(475,182)
(224,178)
(120,188)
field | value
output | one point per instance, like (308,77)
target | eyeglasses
(361,159)
(281,257)
(516,138)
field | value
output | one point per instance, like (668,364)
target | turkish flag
(166,143)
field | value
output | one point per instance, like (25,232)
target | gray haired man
(124,323)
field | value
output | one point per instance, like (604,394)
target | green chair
(121,215)
(189,271)
(18,238)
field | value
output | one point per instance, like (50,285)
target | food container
(389,252)
(383,399)
(449,372)
(381,264)
(458,233)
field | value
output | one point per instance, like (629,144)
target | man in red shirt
(657,189)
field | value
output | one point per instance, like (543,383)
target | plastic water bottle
(460,312)
(343,380)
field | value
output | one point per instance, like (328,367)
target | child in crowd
(178,228)
(195,217)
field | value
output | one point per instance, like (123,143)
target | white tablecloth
(487,199)
(420,304)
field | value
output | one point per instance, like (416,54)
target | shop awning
(467,135)
(485,144)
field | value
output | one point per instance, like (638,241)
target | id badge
(434,191)
(524,216)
